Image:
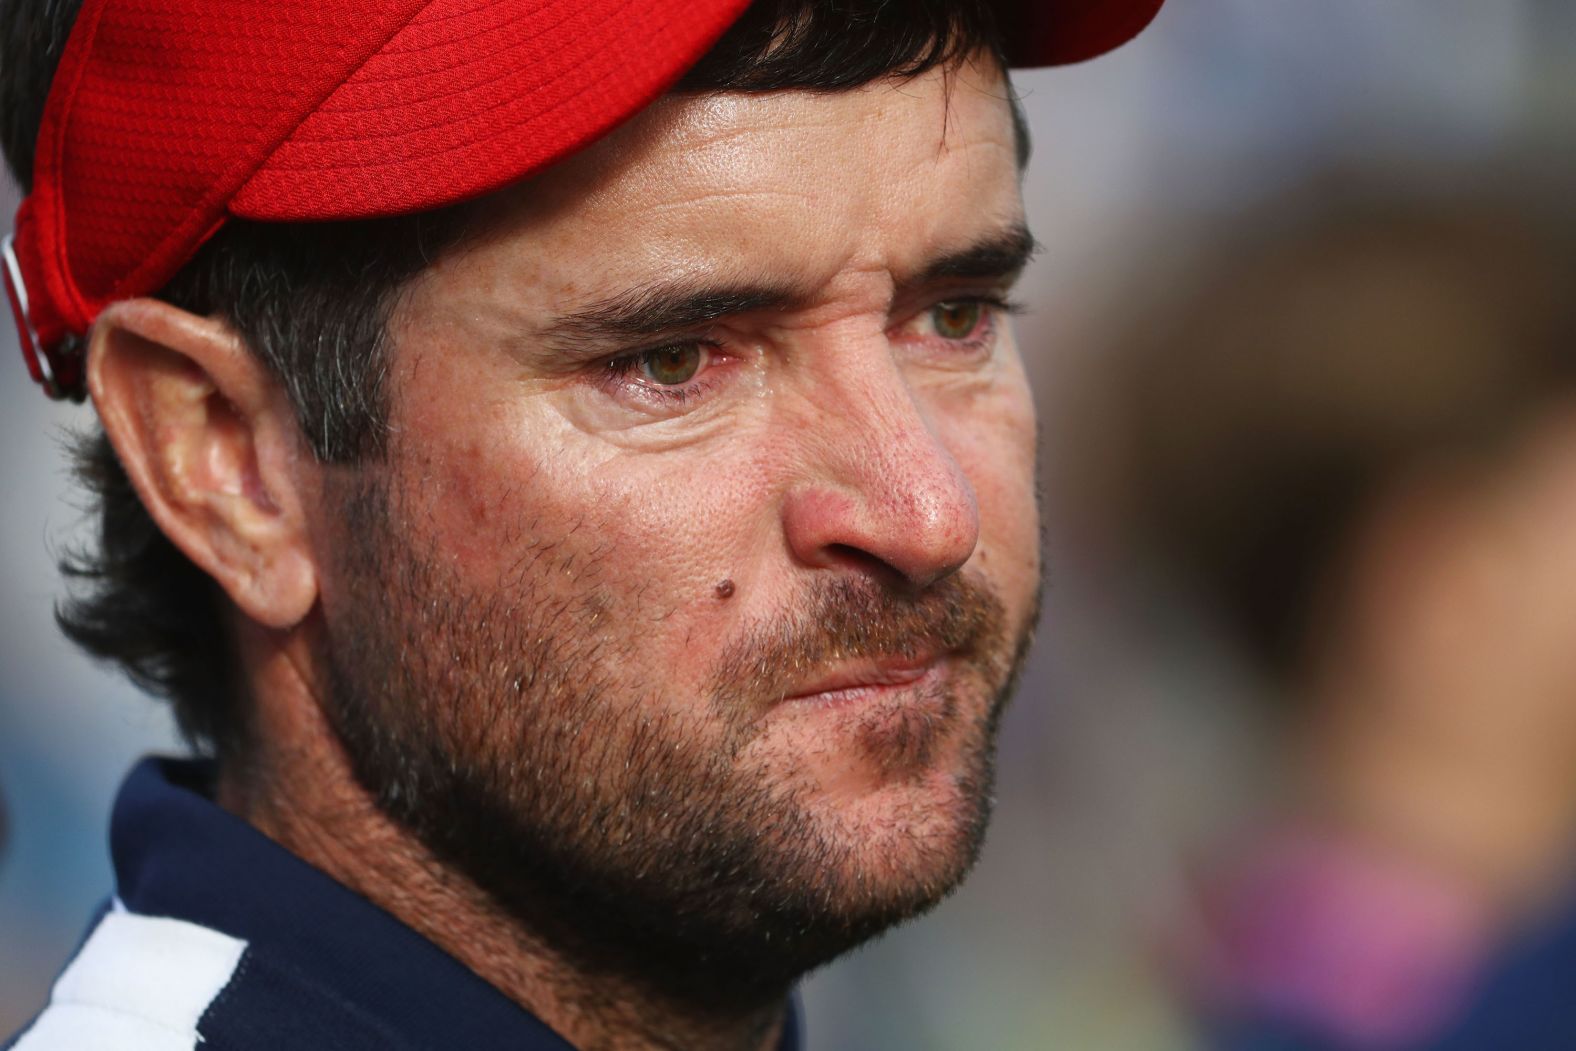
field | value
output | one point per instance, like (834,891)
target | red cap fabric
(167,117)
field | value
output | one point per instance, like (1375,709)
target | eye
(958,319)
(672,366)
(664,378)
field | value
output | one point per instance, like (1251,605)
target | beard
(636,833)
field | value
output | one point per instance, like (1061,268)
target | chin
(912,841)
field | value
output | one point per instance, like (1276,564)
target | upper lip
(876,671)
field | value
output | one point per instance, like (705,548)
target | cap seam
(403,131)
(238,174)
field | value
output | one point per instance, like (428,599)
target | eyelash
(618,371)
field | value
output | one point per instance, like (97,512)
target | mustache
(854,619)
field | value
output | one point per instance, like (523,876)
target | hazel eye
(957,320)
(671,366)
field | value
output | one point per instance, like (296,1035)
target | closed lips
(869,674)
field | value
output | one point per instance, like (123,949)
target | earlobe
(207,438)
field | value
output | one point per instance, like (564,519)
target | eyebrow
(1000,256)
(667,306)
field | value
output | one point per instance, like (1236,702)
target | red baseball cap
(168,117)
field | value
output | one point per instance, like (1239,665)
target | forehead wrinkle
(841,216)
(735,195)
(715,126)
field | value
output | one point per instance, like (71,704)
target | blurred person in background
(1348,433)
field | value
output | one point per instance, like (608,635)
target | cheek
(992,433)
(682,532)
(642,541)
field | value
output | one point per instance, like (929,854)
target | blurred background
(1294,764)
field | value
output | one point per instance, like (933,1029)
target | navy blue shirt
(220,937)
(1523,1002)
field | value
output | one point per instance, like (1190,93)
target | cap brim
(1061,32)
(469,97)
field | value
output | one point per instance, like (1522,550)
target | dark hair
(312,300)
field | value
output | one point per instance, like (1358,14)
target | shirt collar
(178,854)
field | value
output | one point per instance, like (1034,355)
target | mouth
(872,722)
(865,680)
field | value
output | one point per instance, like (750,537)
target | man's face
(681,612)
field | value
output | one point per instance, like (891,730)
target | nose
(891,497)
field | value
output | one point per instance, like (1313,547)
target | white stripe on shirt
(140,983)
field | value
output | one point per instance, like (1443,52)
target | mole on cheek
(725,589)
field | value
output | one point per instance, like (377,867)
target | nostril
(863,561)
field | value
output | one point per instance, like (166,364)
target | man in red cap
(568,465)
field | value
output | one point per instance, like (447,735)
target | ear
(207,438)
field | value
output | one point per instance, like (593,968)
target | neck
(298,788)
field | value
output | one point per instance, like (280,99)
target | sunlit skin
(853,412)
(844,437)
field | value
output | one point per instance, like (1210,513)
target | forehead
(877,177)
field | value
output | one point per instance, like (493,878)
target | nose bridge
(881,484)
